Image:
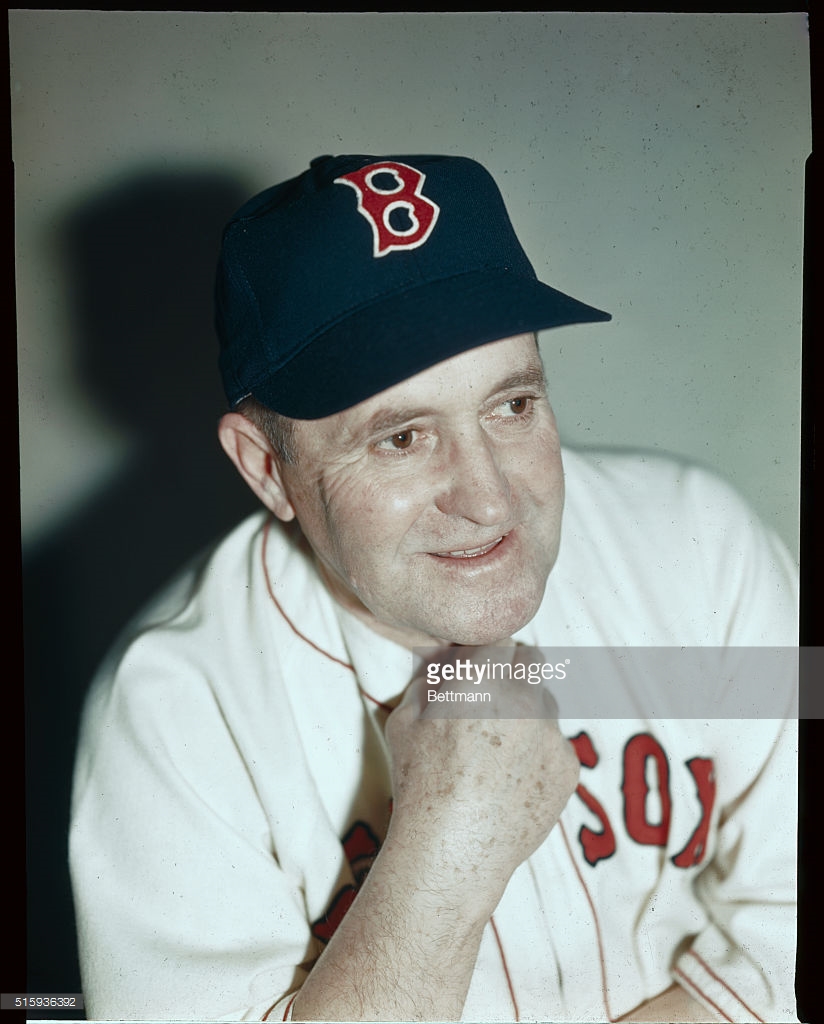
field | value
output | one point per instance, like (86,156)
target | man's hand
(478,796)
(472,799)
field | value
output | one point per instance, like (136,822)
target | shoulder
(218,659)
(672,500)
(661,550)
(647,481)
(216,621)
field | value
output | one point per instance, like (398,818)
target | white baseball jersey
(232,790)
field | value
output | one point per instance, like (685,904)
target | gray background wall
(652,164)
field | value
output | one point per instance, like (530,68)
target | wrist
(447,871)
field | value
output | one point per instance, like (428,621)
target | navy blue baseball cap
(365,270)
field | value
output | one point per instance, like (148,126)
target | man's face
(434,508)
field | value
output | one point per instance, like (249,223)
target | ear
(256,461)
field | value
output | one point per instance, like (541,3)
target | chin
(492,629)
(480,638)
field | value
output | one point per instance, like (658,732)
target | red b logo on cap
(377,205)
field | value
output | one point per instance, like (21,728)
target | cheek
(538,468)
(363,517)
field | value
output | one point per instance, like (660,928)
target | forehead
(473,376)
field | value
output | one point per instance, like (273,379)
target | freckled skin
(465,463)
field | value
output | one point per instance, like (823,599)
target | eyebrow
(384,420)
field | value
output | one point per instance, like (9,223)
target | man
(272,818)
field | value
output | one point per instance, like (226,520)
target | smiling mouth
(471,552)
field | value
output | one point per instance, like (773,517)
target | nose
(475,484)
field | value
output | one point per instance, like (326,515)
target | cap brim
(384,343)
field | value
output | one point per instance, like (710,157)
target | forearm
(674,1005)
(472,799)
(405,950)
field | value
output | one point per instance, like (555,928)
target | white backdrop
(653,166)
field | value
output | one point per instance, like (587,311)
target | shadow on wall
(140,260)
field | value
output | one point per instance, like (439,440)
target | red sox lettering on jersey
(378,200)
(360,845)
(640,750)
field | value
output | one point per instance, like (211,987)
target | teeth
(471,552)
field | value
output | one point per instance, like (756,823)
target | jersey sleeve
(184,909)
(741,966)
(750,580)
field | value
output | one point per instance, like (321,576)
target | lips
(471,552)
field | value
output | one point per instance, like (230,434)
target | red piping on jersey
(721,981)
(388,708)
(595,921)
(691,984)
(384,707)
(279,607)
(288,1009)
(285,1012)
(506,969)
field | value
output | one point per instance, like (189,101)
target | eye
(398,442)
(516,406)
